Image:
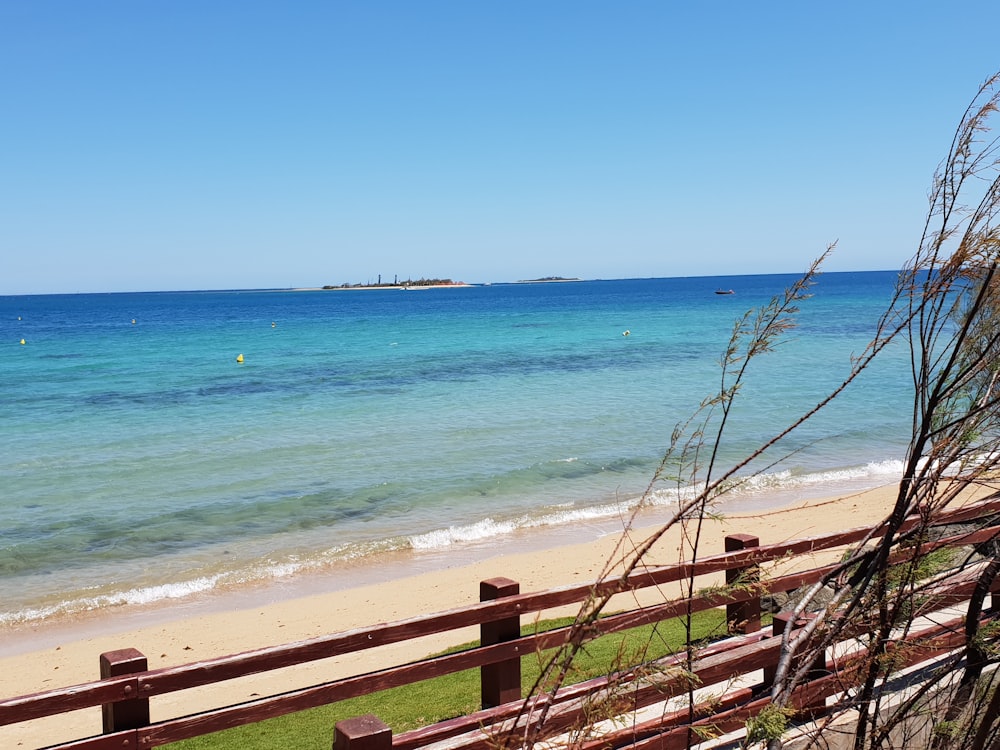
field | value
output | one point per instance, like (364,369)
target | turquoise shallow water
(142,462)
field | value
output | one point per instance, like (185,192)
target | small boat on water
(724,291)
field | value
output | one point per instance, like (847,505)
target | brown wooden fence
(126,686)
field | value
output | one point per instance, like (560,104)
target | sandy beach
(174,636)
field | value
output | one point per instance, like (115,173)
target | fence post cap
(365,732)
(499,582)
(122,654)
(495,588)
(741,540)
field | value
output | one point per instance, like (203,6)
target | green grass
(427,702)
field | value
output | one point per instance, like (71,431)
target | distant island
(397,284)
(423,283)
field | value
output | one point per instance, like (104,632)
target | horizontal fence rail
(126,686)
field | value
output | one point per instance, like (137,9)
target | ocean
(143,464)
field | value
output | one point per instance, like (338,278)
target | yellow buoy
(239,358)
(22,342)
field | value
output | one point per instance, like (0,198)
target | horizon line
(456,284)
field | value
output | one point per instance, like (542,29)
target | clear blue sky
(202,145)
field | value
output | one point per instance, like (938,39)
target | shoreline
(153,603)
(21,637)
(63,654)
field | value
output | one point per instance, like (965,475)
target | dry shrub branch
(946,308)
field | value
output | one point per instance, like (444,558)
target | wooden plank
(63,700)
(655,727)
(435,732)
(126,740)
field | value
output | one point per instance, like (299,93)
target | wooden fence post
(995,594)
(500,682)
(743,617)
(366,732)
(133,712)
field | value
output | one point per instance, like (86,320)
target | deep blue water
(142,461)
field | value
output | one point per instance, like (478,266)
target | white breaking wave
(474,532)
(134,596)
(489,528)
(875,472)
(871,474)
